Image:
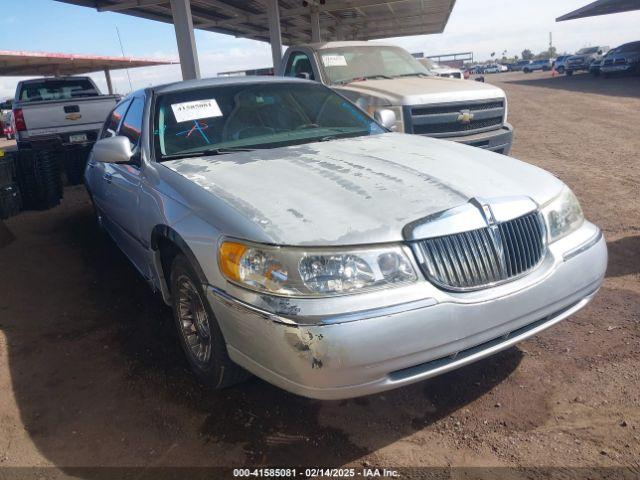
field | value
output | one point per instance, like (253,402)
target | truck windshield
(346,64)
(221,119)
(57,89)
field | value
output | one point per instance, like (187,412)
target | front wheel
(569,73)
(198,330)
(560,70)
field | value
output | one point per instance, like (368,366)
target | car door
(122,183)
(96,170)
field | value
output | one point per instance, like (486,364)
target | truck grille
(462,118)
(484,257)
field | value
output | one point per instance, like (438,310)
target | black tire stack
(10,199)
(75,163)
(39,178)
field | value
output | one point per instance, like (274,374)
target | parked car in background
(439,69)
(491,68)
(60,116)
(625,59)
(584,58)
(296,237)
(543,65)
(559,64)
(376,76)
(518,66)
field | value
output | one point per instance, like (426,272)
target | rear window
(57,90)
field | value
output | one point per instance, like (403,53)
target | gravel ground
(91,375)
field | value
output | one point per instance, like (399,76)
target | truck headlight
(562,215)
(303,272)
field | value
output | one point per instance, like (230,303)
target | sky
(480,26)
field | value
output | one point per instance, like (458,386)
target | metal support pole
(273,14)
(315,25)
(183,24)
(107,75)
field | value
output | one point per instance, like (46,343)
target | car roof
(220,81)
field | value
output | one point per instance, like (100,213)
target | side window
(299,65)
(132,124)
(113,122)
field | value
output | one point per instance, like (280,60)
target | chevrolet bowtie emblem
(465,116)
(73,116)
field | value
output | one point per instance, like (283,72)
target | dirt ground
(91,373)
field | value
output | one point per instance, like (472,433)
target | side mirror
(387,118)
(113,150)
(305,75)
(599,52)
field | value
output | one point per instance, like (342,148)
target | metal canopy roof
(339,19)
(37,63)
(601,7)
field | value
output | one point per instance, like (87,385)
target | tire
(569,73)
(526,70)
(75,163)
(39,179)
(201,340)
(560,70)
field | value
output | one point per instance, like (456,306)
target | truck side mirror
(113,150)
(305,75)
(386,118)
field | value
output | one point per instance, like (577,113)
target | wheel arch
(166,243)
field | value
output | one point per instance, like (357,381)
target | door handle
(107,177)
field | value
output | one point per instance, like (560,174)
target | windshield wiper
(208,151)
(365,77)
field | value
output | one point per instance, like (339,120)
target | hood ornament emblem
(465,117)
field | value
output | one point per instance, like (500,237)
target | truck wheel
(75,163)
(560,70)
(198,330)
(526,70)
(569,73)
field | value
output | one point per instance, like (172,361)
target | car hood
(361,190)
(421,90)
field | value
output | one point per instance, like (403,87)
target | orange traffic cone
(553,72)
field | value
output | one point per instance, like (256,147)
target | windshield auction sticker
(197,110)
(334,60)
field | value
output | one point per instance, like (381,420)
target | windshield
(587,51)
(346,64)
(266,115)
(428,63)
(57,89)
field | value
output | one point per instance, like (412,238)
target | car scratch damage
(309,345)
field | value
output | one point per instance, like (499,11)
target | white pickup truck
(61,115)
(377,76)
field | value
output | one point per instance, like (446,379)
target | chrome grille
(483,257)
(445,120)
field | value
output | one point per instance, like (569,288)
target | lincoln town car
(299,239)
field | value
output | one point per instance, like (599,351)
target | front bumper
(498,141)
(361,350)
(617,68)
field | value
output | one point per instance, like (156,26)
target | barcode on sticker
(196,110)
(334,61)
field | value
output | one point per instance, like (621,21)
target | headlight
(299,272)
(562,215)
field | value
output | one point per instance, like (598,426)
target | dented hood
(361,190)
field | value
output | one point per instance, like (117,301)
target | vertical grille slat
(486,256)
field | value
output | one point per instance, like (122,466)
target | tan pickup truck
(377,76)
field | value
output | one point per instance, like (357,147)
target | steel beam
(183,24)
(315,25)
(275,35)
(107,76)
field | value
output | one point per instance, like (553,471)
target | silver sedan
(301,240)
